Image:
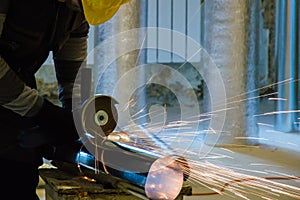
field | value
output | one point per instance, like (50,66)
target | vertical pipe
(172,28)
(157,25)
(202,19)
(286,62)
(186,30)
(298,64)
(265,37)
(230,39)
(253,42)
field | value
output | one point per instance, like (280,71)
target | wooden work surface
(61,185)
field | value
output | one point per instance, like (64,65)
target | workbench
(63,185)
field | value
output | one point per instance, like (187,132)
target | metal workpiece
(159,177)
(104,150)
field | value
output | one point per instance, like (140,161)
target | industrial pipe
(287,64)
(160,177)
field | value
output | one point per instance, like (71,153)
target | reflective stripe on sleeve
(10,84)
(28,103)
(15,95)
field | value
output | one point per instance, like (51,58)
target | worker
(29,31)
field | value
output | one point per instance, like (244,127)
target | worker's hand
(55,126)
(54,117)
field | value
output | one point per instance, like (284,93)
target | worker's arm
(54,123)
(14,94)
(68,61)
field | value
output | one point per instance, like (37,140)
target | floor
(244,166)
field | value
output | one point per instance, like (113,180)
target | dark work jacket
(31,30)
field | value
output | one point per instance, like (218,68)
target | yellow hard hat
(99,11)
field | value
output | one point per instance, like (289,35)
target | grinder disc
(99,115)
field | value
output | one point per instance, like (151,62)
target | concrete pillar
(118,55)
(130,18)
(105,71)
(230,38)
